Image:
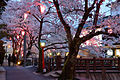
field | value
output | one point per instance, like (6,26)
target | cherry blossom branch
(92,34)
(66,26)
(85,17)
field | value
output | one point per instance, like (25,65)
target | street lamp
(24,52)
(42,44)
(24,34)
(110,52)
(58,54)
(42,9)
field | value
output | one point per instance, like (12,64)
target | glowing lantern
(23,32)
(78,56)
(17,36)
(22,54)
(58,54)
(42,44)
(19,62)
(66,53)
(42,8)
(118,52)
(9,46)
(25,16)
(50,54)
(110,52)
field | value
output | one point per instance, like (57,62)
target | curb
(2,73)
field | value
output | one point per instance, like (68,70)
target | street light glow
(42,44)
(58,54)
(110,52)
(66,53)
(9,46)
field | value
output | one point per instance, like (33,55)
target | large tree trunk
(40,62)
(40,69)
(68,71)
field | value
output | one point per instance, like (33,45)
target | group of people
(10,58)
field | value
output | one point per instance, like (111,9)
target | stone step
(58,72)
(54,75)
(48,74)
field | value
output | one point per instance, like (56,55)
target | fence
(85,64)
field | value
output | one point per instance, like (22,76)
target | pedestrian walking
(1,58)
(6,56)
(2,52)
(9,60)
(13,59)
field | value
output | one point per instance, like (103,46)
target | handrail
(91,63)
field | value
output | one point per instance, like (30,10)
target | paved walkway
(21,73)
(2,73)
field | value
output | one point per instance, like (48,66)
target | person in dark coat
(13,59)
(9,60)
(1,59)
(2,52)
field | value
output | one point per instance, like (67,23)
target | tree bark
(68,71)
(40,61)
(40,69)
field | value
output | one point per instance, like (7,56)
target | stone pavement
(21,73)
(2,73)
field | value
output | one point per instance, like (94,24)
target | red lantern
(23,33)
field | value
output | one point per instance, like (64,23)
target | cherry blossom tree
(37,24)
(79,21)
(83,10)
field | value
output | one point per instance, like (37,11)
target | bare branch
(97,12)
(36,17)
(86,5)
(85,17)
